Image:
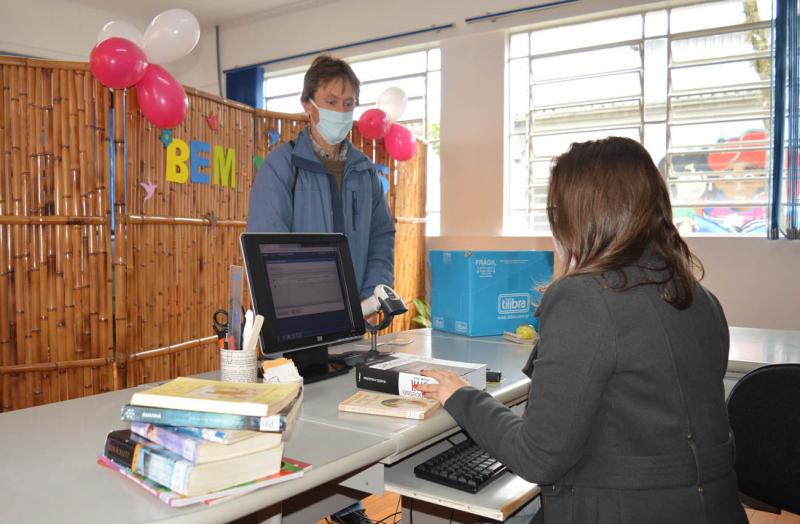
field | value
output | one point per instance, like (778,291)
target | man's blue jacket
(292,193)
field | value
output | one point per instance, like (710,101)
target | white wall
(472,134)
(199,68)
(60,30)
(54,29)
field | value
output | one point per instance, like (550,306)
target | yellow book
(195,394)
(373,403)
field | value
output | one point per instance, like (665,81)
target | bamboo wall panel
(179,244)
(87,304)
(409,215)
(56,338)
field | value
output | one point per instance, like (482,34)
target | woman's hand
(448,383)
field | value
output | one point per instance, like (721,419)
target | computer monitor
(304,286)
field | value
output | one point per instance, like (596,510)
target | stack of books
(193,440)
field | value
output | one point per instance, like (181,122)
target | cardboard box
(479,293)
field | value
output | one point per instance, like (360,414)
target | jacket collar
(304,157)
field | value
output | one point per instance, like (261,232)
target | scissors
(220,325)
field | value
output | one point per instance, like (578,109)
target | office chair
(765,417)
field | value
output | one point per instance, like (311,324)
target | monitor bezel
(261,296)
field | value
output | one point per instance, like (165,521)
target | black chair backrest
(764,412)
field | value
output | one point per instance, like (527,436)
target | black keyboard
(465,466)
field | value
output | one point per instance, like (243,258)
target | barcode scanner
(383,299)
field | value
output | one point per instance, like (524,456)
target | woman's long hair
(608,206)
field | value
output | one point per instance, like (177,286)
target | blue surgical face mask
(333,126)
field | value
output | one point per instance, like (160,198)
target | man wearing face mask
(320,182)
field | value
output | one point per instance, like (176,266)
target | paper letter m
(225,166)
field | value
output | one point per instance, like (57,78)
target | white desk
(48,453)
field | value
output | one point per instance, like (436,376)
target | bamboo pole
(53,366)
(17,234)
(6,331)
(102,101)
(120,266)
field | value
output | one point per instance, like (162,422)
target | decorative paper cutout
(243,173)
(212,122)
(384,183)
(166,137)
(149,189)
(183,160)
(273,136)
(257,161)
(384,169)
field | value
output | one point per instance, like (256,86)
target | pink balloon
(117,63)
(161,98)
(400,143)
(374,124)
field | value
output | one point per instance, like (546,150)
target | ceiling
(208,12)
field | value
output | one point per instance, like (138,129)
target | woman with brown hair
(626,418)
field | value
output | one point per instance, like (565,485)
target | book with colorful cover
(221,436)
(374,403)
(281,422)
(290,469)
(198,450)
(178,474)
(195,394)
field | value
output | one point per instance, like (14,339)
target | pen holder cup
(238,366)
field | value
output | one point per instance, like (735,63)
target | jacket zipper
(355,209)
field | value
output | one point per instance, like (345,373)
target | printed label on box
(462,327)
(485,267)
(513,303)
(438,322)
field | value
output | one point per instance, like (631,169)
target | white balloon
(393,102)
(119,29)
(170,36)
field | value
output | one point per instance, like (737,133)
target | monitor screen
(304,286)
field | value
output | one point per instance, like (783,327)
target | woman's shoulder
(571,284)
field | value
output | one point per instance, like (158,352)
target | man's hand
(448,383)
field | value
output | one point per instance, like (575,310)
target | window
(690,83)
(418,73)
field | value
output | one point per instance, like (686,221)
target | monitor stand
(351,358)
(313,364)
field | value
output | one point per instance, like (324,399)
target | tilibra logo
(509,303)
